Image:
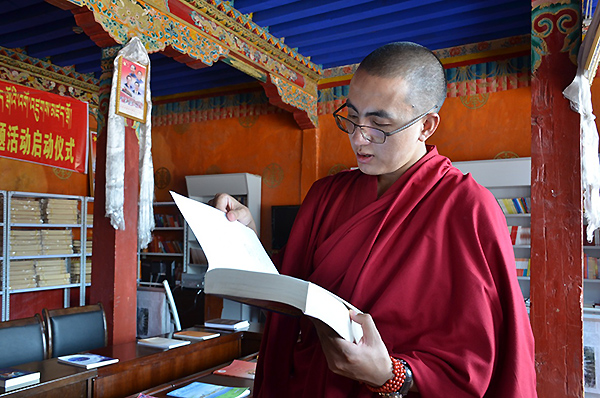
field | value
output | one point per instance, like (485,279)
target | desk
(56,381)
(140,368)
(206,376)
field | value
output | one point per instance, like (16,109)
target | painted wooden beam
(556,217)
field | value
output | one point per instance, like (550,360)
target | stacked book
(76,271)
(25,243)
(52,272)
(22,274)
(25,211)
(60,211)
(57,241)
(77,246)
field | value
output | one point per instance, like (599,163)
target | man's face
(380,102)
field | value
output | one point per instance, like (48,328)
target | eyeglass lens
(368,133)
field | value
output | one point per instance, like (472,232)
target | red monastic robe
(431,261)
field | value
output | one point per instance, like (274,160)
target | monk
(420,248)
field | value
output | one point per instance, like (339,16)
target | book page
(226,244)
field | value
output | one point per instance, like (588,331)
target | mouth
(363,157)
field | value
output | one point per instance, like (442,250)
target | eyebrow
(379,113)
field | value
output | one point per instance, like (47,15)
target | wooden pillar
(114,258)
(556,218)
(309,170)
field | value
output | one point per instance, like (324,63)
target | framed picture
(131,93)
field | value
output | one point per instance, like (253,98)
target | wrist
(400,382)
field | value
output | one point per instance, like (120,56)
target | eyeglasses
(372,134)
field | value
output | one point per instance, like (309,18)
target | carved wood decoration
(200,33)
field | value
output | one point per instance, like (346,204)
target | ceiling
(331,32)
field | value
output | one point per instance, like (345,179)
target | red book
(238,368)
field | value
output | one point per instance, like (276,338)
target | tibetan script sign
(44,128)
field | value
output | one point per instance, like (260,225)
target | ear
(430,124)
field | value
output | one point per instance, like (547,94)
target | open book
(240,269)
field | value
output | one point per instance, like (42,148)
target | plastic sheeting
(115,153)
(580,95)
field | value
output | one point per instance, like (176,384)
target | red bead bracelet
(394,384)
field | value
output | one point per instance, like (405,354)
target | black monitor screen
(282,219)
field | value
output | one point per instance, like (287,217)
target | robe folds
(431,261)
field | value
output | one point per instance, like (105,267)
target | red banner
(45,128)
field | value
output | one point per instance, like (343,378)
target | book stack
(57,241)
(52,272)
(76,271)
(25,243)
(515,205)
(590,267)
(60,211)
(520,235)
(164,343)
(22,274)
(25,211)
(77,246)
(523,266)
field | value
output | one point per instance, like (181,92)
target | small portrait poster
(131,98)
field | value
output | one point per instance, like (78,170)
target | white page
(226,244)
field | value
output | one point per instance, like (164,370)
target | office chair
(22,341)
(75,329)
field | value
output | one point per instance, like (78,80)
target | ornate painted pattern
(475,101)
(488,77)
(463,81)
(242,47)
(156,29)
(294,96)
(19,68)
(224,12)
(246,106)
(484,46)
(547,16)
(272,175)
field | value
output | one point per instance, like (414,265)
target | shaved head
(417,66)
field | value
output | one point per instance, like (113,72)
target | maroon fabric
(431,261)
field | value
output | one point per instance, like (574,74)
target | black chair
(75,329)
(22,341)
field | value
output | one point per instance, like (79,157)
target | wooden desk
(56,381)
(140,368)
(206,376)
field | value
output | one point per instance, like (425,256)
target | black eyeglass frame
(385,133)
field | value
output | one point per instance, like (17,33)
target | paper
(215,231)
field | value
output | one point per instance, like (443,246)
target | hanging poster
(131,98)
(44,128)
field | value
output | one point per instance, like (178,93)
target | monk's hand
(234,210)
(367,361)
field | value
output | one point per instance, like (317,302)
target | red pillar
(556,218)
(114,259)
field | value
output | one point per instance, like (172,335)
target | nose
(359,139)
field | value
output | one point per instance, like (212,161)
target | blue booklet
(88,361)
(205,390)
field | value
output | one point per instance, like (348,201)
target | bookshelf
(509,179)
(39,249)
(167,252)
